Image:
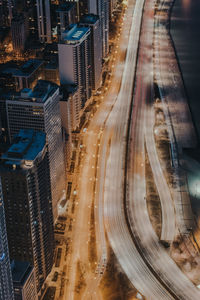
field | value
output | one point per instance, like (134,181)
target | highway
(146,264)
(135,244)
(156,257)
(177,114)
(118,232)
(168,231)
(98,124)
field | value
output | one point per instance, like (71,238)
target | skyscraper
(10,10)
(24,283)
(19,32)
(66,15)
(6,286)
(93,22)
(74,51)
(70,107)
(0,126)
(39,109)
(101,8)
(24,171)
(44,20)
(4,19)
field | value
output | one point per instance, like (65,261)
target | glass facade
(6,287)
(42,116)
(28,207)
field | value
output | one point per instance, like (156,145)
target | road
(90,179)
(118,232)
(177,114)
(102,180)
(167,206)
(162,266)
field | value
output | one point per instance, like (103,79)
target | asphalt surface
(149,268)
(175,285)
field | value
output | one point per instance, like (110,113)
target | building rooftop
(51,66)
(26,146)
(29,68)
(75,33)
(26,70)
(41,92)
(89,19)
(67,89)
(67,6)
(20,271)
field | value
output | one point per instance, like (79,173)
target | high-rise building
(74,52)
(4,124)
(0,126)
(25,177)
(44,20)
(70,107)
(70,115)
(100,8)
(19,32)
(51,72)
(93,22)
(6,286)
(4,21)
(39,109)
(66,15)
(106,28)
(24,282)
(10,10)
(27,75)
(82,7)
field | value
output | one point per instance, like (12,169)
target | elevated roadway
(155,256)
(144,261)
(177,114)
(118,232)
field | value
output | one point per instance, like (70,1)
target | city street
(101,176)
(90,180)
(99,150)
(177,114)
(174,283)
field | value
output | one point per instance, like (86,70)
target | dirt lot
(115,285)
(153,200)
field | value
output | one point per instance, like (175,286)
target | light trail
(153,273)
(177,116)
(162,266)
(118,232)
(168,230)
(92,139)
